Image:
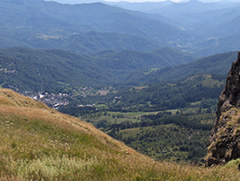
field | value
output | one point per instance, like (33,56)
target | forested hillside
(57,70)
(41,24)
(216,64)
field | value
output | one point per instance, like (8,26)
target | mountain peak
(225,135)
(194,2)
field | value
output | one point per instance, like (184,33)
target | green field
(160,134)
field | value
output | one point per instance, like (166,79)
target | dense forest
(58,70)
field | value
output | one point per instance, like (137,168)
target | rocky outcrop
(225,136)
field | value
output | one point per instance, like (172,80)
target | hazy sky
(143,0)
(159,0)
(85,1)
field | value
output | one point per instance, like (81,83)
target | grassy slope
(38,143)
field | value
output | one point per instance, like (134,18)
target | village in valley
(51,99)
(55,100)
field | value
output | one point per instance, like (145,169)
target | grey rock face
(225,135)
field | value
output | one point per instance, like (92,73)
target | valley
(38,142)
(119,90)
(139,117)
(186,103)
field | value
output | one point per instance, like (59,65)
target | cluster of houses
(55,100)
(51,99)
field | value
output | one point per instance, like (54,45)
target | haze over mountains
(25,23)
(194,26)
(148,74)
(114,45)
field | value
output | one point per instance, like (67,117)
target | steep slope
(38,143)
(225,136)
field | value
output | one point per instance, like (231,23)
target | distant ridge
(24,22)
(215,64)
(54,70)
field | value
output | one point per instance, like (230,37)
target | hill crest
(19,105)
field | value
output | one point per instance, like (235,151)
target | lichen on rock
(225,135)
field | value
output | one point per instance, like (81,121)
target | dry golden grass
(39,143)
(21,106)
(9,97)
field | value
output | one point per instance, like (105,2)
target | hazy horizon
(131,1)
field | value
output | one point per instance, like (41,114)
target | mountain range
(29,69)
(216,64)
(101,45)
(38,23)
(90,28)
(138,71)
(208,23)
(54,70)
